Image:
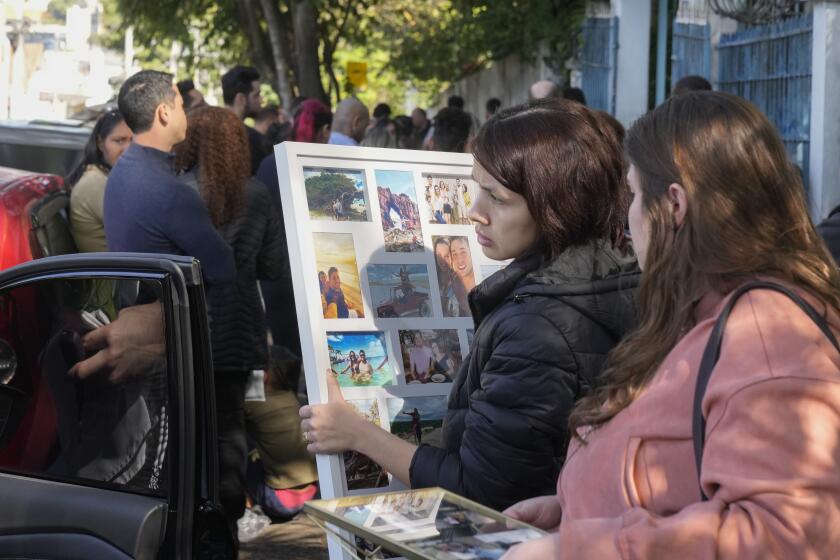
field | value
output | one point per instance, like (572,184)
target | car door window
(83,382)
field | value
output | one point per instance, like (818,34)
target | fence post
(824,192)
(633,64)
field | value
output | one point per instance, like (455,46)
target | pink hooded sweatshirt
(771,462)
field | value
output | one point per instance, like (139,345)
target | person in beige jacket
(716,204)
(108,140)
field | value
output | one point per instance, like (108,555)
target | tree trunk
(246,12)
(306,47)
(272,18)
(334,85)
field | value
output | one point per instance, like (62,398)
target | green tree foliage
(448,39)
(323,189)
(414,48)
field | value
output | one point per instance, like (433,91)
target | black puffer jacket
(543,331)
(237,321)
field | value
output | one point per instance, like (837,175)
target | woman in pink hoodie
(716,205)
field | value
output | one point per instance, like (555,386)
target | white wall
(507,79)
(824,192)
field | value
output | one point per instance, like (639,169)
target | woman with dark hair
(216,158)
(716,432)
(108,140)
(552,197)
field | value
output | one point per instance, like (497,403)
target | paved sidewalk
(298,539)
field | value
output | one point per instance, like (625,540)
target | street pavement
(298,539)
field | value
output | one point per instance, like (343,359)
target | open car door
(98,450)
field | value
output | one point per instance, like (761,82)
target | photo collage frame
(383,255)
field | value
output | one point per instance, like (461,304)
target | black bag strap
(712,353)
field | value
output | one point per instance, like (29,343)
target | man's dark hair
(140,96)
(492,105)
(691,83)
(574,94)
(284,368)
(404,127)
(184,88)
(382,111)
(239,79)
(452,129)
(267,112)
(455,102)
(331,270)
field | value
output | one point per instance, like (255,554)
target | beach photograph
(399,211)
(360,359)
(449,198)
(336,194)
(399,290)
(430,356)
(338,276)
(362,473)
(417,419)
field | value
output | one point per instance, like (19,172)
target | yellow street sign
(357,73)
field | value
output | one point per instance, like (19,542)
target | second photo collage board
(383,255)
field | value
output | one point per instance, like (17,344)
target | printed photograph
(449,198)
(455,274)
(362,473)
(417,419)
(430,356)
(336,194)
(399,211)
(491,546)
(338,276)
(360,359)
(399,290)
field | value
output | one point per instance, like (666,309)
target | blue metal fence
(598,62)
(691,51)
(771,66)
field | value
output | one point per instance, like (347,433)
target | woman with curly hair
(216,159)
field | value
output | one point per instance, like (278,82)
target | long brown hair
(217,142)
(746,216)
(566,161)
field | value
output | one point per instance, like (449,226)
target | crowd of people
(655,373)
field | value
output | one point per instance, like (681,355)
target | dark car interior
(97,440)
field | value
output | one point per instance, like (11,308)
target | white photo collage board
(382,255)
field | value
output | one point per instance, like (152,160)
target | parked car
(119,459)
(54,147)
(22,195)
(121,463)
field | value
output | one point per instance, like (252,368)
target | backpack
(711,354)
(51,234)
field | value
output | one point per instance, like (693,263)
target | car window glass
(83,382)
